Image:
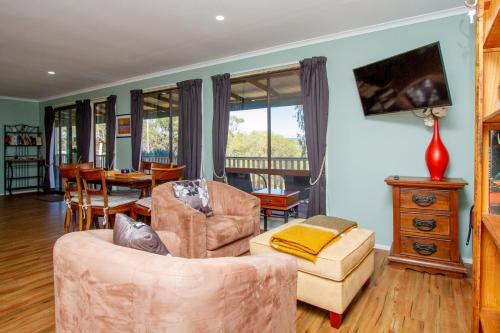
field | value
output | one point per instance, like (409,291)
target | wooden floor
(396,301)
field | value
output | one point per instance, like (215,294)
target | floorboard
(396,301)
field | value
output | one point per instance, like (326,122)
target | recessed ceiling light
(51,73)
(219,18)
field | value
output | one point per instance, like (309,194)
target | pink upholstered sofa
(102,287)
(227,234)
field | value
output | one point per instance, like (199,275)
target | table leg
(144,192)
(286,216)
(265,221)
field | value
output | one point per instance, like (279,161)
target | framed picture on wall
(123,126)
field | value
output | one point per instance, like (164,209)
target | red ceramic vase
(436,156)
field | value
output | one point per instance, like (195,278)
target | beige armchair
(102,287)
(227,234)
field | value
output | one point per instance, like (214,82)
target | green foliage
(155,134)
(254,144)
(301,137)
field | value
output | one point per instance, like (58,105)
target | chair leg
(67,220)
(335,319)
(80,218)
(88,217)
(75,221)
(95,219)
(133,214)
(111,221)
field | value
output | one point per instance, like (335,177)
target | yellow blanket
(308,240)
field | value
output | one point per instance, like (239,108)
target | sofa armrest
(170,214)
(228,200)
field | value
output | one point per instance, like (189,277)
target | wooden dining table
(142,182)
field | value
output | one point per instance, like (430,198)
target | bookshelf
(23,165)
(486,247)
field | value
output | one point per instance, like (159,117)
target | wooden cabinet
(486,240)
(425,225)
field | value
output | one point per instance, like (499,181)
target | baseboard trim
(20,192)
(388,248)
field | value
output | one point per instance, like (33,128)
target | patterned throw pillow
(194,193)
(137,235)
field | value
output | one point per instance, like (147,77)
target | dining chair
(71,185)
(73,194)
(159,165)
(98,202)
(159,175)
(145,167)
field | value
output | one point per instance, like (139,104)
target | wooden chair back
(160,175)
(91,178)
(157,165)
(70,179)
(145,167)
(86,165)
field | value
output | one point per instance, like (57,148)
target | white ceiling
(95,42)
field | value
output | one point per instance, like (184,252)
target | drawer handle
(424,200)
(268,201)
(425,249)
(424,225)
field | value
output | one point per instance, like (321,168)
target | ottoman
(340,272)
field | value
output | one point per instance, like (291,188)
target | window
(100,134)
(160,131)
(266,128)
(64,149)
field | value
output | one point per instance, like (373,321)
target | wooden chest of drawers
(425,225)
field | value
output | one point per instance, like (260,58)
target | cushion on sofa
(137,235)
(194,193)
(336,261)
(223,229)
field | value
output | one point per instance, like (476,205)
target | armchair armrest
(170,214)
(228,200)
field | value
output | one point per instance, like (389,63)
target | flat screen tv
(409,81)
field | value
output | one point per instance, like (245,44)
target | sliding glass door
(64,149)
(266,131)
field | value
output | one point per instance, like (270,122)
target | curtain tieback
(312,183)
(68,205)
(223,173)
(84,210)
(105,222)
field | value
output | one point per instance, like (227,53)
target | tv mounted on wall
(409,81)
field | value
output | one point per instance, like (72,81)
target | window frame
(170,123)
(94,116)
(57,148)
(269,171)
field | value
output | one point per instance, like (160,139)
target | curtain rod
(162,87)
(263,70)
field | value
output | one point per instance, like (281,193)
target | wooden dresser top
(426,182)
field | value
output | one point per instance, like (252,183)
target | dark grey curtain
(314,90)
(137,116)
(83,129)
(221,86)
(110,130)
(48,128)
(190,127)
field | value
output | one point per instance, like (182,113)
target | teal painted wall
(361,151)
(14,112)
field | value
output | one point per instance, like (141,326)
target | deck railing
(246,162)
(277,163)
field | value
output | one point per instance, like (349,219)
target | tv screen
(409,81)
